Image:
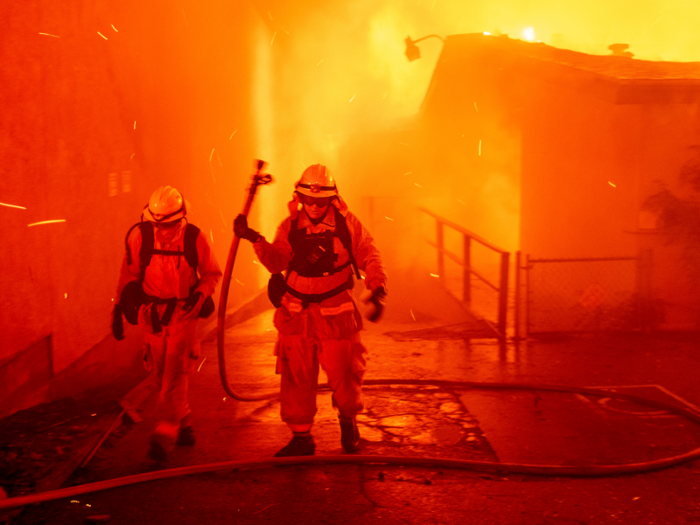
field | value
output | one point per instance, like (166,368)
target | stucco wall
(92,124)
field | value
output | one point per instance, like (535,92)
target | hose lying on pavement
(487,466)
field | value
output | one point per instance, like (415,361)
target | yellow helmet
(165,205)
(316,181)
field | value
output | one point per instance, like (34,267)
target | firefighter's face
(315,207)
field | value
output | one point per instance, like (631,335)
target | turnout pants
(307,340)
(173,354)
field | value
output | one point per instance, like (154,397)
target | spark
(432,6)
(115,29)
(211,234)
(385,94)
(132,156)
(239,282)
(232,134)
(283,29)
(417,184)
(319,62)
(49,34)
(224,399)
(45,222)
(476,108)
(407,173)
(414,317)
(255,262)
(134,124)
(270,15)
(657,20)
(65,295)
(434,275)
(353,97)
(461,201)
(273,38)
(102,35)
(200,365)
(222,217)
(219,159)
(611,184)
(388,218)
(13,206)
(211,155)
(479,147)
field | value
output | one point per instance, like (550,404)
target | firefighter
(167,277)
(320,247)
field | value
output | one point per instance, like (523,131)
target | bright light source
(487,33)
(529,34)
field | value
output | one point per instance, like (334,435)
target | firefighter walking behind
(316,254)
(166,281)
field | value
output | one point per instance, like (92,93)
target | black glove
(240,228)
(377,300)
(191,301)
(117,323)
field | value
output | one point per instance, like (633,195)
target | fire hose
(483,466)
(259,179)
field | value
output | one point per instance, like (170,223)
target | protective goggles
(166,225)
(321,202)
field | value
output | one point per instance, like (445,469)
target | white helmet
(166,205)
(316,181)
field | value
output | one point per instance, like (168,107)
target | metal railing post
(440,241)
(527,294)
(503,295)
(516,299)
(467,271)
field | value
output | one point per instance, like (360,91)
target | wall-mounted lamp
(412,51)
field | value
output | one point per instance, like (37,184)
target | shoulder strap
(341,228)
(293,235)
(146,251)
(147,245)
(191,233)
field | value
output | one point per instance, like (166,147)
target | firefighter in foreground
(320,248)
(167,278)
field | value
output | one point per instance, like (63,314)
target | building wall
(92,124)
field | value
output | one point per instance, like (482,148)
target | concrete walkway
(508,426)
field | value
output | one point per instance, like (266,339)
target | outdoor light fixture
(412,51)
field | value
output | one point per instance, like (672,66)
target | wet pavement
(437,420)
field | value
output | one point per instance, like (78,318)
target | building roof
(627,80)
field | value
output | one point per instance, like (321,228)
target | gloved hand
(377,300)
(240,228)
(191,301)
(117,323)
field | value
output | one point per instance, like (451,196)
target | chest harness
(313,256)
(189,252)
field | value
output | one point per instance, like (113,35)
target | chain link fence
(583,295)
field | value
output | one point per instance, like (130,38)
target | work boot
(302,444)
(185,438)
(349,434)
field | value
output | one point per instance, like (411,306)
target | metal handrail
(467,271)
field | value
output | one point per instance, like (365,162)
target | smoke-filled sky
(343,65)
(328,70)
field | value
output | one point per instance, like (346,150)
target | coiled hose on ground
(487,466)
